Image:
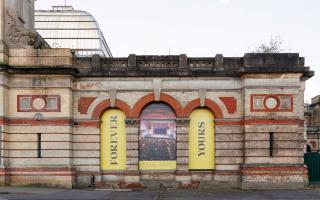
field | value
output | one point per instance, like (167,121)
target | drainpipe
(317,129)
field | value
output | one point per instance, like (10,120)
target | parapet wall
(40,57)
(183,66)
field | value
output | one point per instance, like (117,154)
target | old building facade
(129,122)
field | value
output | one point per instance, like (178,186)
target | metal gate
(312,160)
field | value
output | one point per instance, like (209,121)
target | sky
(205,28)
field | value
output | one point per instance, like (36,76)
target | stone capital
(182,121)
(132,121)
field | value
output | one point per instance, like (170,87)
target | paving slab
(29,190)
(21,193)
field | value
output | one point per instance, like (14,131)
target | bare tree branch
(274,46)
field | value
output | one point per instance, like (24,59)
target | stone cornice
(60,70)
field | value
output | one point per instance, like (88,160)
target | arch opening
(201,140)
(157,137)
(113,140)
(208,104)
(150,98)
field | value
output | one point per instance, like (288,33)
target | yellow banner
(201,140)
(113,140)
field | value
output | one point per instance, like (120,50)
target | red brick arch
(106,104)
(215,109)
(141,103)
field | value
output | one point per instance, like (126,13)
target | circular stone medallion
(38,103)
(271,103)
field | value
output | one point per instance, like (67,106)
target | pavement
(33,193)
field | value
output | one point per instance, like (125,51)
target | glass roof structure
(64,27)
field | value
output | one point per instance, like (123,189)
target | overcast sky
(206,27)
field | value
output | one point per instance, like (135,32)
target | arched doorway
(157,138)
(201,140)
(113,140)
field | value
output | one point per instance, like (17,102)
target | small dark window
(271,144)
(39,145)
(308,148)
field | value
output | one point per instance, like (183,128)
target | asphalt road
(55,194)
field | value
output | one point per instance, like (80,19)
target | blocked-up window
(157,138)
(25,103)
(52,103)
(38,103)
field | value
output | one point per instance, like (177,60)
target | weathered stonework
(87,87)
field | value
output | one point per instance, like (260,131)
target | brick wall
(70,136)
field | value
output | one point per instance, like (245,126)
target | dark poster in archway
(157,137)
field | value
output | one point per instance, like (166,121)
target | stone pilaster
(3,126)
(182,173)
(132,173)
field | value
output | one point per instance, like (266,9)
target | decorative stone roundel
(271,103)
(38,103)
